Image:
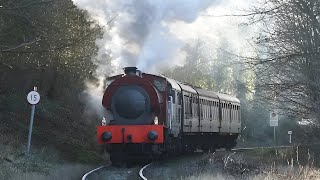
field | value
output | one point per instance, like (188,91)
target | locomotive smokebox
(132,71)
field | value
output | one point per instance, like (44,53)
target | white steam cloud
(140,34)
(151,34)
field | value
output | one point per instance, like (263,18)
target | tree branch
(19,46)
(245,15)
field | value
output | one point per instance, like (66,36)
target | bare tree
(288,61)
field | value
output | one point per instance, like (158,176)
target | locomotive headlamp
(106,136)
(156,122)
(103,122)
(152,135)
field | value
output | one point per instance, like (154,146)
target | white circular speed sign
(33,97)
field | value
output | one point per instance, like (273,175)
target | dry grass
(289,173)
(209,177)
(60,172)
(301,173)
(44,164)
(263,164)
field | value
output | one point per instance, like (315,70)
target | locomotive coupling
(152,135)
(106,136)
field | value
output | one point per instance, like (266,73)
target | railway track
(267,147)
(85,176)
(115,173)
(141,171)
(110,172)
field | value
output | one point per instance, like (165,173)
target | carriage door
(173,113)
(230,116)
(178,109)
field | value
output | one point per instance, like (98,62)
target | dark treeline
(47,44)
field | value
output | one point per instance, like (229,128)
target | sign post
(290,133)
(274,123)
(33,98)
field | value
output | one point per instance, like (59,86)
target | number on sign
(33,97)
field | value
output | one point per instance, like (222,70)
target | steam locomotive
(151,115)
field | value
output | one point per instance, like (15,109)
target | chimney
(132,71)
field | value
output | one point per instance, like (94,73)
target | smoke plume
(140,32)
(152,34)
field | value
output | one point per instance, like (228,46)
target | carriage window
(205,109)
(187,106)
(201,108)
(173,94)
(210,109)
(190,105)
(179,98)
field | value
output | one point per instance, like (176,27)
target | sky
(151,34)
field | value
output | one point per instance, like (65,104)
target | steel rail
(267,147)
(84,177)
(141,171)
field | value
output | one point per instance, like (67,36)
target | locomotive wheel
(231,144)
(205,148)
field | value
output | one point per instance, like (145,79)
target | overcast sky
(151,34)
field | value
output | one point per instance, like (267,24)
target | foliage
(48,44)
(214,73)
